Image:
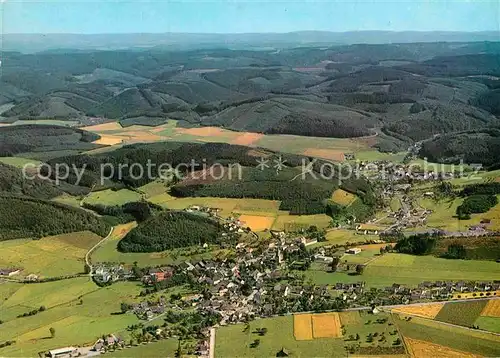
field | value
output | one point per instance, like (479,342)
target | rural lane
(87,255)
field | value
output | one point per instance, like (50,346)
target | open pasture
(285,222)
(20,162)
(232,341)
(112,197)
(50,256)
(411,270)
(50,294)
(79,317)
(343,197)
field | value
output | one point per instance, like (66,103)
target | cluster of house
(158,274)
(444,289)
(108,273)
(10,271)
(147,310)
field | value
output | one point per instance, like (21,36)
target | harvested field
(343,197)
(326,325)
(376,246)
(256,222)
(247,138)
(492,309)
(109,140)
(331,154)
(113,126)
(302,327)
(417,348)
(426,311)
(203,131)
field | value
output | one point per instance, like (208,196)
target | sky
(106,16)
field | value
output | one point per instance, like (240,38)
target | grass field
(75,323)
(444,215)
(50,256)
(285,222)
(412,270)
(165,347)
(19,162)
(232,341)
(111,197)
(426,311)
(157,187)
(342,236)
(456,338)
(491,324)
(363,323)
(343,197)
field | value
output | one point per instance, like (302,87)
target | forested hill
(481,146)
(410,91)
(44,138)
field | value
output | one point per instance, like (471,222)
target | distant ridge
(180,41)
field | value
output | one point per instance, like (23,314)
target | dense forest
(22,217)
(478,147)
(476,204)
(12,181)
(38,138)
(171,229)
(402,92)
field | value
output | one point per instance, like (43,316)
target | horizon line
(250,33)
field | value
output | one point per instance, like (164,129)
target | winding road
(87,255)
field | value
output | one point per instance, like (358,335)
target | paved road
(212,343)
(87,255)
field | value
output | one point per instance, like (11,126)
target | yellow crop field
(492,309)
(326,325)
(426,311)
(418,349)
(302,327)
(256,222)
(343,197)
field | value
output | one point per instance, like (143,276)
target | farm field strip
(461,313)
(418,348)
(492,309)
(302,327)
(426,311)
(326,325)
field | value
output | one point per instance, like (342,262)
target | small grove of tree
(52,331)
(421,244)
(476,204)
(360,269)
(455,251)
